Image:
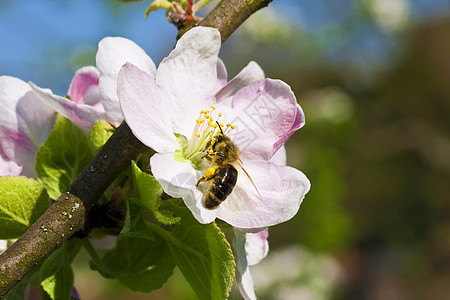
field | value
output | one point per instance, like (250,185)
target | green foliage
(148,195)
(99,134)
(135,225)
(62,157)
(22,201)
(203,255)
(56,273)
(140,264)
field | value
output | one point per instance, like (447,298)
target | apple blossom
(92,94)
(175,113)
(24,125)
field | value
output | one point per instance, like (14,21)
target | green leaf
(135,225)
(22,201)
(148,194)
(56,273)
(62,157)
(158,4)
(203,255)
(140,264)
(99,134)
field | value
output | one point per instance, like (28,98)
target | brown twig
(68,214)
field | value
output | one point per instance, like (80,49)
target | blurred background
(373,77)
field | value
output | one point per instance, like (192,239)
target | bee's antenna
(219,127)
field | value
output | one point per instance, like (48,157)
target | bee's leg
(209,174)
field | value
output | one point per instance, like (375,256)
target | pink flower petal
(251,73)
(178,180)
(282,190)
(112,54)
(146,108)
(82,114)
(265,113)
(84,87)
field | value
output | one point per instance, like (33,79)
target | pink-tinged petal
(189,73)
(25,123)
(265,114)
(282,190)
(256,246)
(8,168)
(178,180)
(251,73)
(84,87)
(112,54)
(146,108)
(279,157)
(82,114)
(222,76)
(244,278)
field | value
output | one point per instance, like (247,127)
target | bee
(223,153)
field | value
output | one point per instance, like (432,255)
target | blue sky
(39,38)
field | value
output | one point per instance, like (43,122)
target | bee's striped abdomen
(221,186)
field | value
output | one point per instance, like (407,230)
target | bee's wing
(248,176)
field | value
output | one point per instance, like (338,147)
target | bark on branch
(68,214)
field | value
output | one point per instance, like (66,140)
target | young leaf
(148,194)
(62,157)
(99,134)
(22,201)
(56,272)
(203,255)
(135,225)
(140,264)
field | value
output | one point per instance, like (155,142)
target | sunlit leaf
(22,201)
(62,157)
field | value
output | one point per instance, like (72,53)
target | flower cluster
(178,109)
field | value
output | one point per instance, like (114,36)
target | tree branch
(68,214)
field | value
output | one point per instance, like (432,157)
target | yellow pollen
(197,135)
(213,107)
(207,116)
(220,114)
(233,127)
(210,172)
(221,125)
(198,121)
(206,111)
(228,124)
(214,125)
(211,119)
(202,111)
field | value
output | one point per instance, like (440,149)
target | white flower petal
(222,76)
(8,167)
(243,276)
(25,123)
(178,180)
(146,108)
(251,73)
(189,73)
(82,114)
(282,190)
(112,54)
(256,246)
